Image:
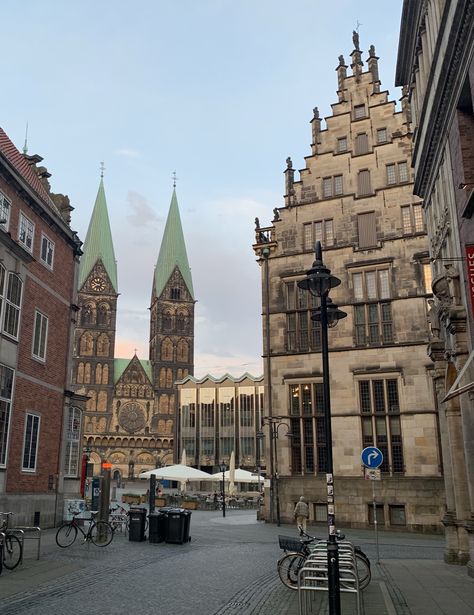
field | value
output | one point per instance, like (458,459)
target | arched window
(103,345)
(92,401)
(88,311)
(105,374)
(182,351)
(163,377)
(161,426)
(169,426)
(103,314)
(86,344)
(80,373)
(87,373)
(169,378)
(163,404)
(98,374)
(167,350)
(167,321)
(181,319)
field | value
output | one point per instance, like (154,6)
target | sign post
(372,459)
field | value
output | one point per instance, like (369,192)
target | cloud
(127,152)
(141,213)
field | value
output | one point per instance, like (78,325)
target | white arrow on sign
(373,455)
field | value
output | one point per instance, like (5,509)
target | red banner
(470,273)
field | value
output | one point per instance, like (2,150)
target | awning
(455,389)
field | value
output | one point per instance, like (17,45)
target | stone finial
(341,60)
(289,181)
(276,215)
(372,51)
(373,65)
(316,113)
(289,163)
(341,75)
(315,130)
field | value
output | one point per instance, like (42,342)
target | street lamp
(275,423)
(223,468)
(319,282)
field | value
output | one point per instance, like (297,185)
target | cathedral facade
(130,412)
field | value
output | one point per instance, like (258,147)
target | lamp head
(319,280)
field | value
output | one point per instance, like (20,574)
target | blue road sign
(372,457)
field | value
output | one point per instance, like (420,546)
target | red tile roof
(21,165)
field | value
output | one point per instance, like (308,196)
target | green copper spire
(98,243)
(172,252)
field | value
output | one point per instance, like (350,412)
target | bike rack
(313,576)
(22,531)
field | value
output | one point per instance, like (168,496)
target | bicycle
(12,548)
(297,551)
(99,533)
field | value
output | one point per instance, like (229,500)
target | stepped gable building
(130,418)
(355,195)
(221,416)
(40,417)
(436,66)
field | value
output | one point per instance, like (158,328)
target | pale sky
(221,91)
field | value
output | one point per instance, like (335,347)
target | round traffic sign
(372,457)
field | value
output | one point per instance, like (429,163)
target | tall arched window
(163,377)
(167,321)
(169,378)
(182,351)
(86,344)
(103,314)
(103,345)
(102,401)
(105,374)
(92,401)
(80,373)
(98,374)
(167,350)
(87,373)
(88,313)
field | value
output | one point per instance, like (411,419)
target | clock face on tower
(98,284)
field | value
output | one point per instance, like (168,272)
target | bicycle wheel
(101,533)
(288,568)
(66,535)
(11,551)
(363,570)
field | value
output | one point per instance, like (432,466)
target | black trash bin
(178,525)
(157,526)
(137,518)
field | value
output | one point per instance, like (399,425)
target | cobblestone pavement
(228,568)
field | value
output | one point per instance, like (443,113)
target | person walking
(301,513)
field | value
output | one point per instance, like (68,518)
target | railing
(27,533)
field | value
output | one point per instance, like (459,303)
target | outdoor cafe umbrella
(178,473)
(240,476)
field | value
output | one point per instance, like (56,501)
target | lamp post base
(334,597)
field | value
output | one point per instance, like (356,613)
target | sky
(220,91)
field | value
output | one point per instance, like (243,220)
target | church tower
(171,321)
(96,326)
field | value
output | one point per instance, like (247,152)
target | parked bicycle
(12,548)
(297,551)
(100,532)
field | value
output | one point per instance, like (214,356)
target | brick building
(40,417)
(436,66)
(354,194)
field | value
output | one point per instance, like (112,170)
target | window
(6,392)
(207,415)
(246,410)
(364,187)
(320,513)
(373,319)
(412,219)
(40,336)
(73,433)
(5,208)
(247,447)
(207,446)
(379,508)
(362,143)
(380,415)
(176,294)
(227,414)
(332,186)
(308,442)
(26,232)
(397,514)
(321,230)
(47,251)
(30,447)
(359,112)
(382,136)
(427,278)
(342,145)
(11,319)
(188,416)
(227,446)
(302,333)
(367,229)
(397,173)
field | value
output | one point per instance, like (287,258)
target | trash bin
(137,518)
(157,526)
(178,525)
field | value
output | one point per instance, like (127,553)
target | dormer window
(359,112)
(176,294)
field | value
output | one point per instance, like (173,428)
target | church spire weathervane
(174,179)
(102,169)
(25,147)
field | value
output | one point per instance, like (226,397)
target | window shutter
(362,144)
(367,230)
(364,183)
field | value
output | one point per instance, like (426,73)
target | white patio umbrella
(232,473)
(240,476)
(178,473)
